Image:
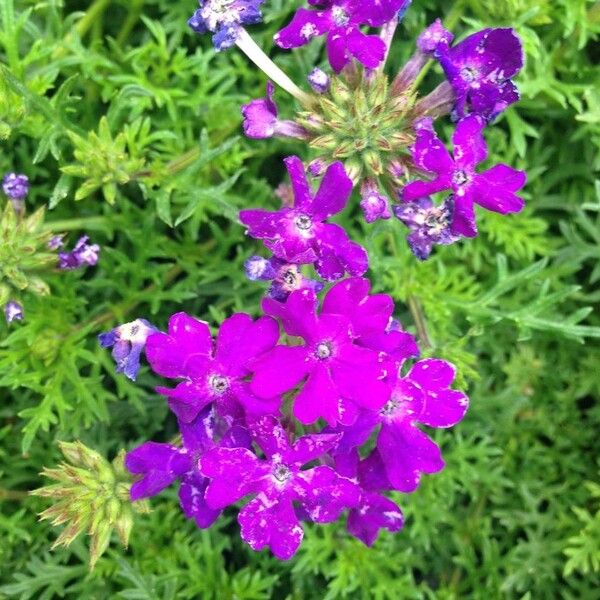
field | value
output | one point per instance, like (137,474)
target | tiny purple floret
(83,254)
(13,311)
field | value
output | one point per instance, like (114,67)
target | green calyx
(24,254)
(361,122)
(91,496)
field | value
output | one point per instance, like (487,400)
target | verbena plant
(308,400)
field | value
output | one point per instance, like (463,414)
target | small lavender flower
(286,277)
(56,242)
(480,69)
(82,254)
(13,311)
(493,189)
(429,224)
(225,19)
(15,186)
(128,341)
(341,20)
(374,204)
(260,119)
(301,234)
(319,80)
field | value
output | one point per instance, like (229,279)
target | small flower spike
(16,188)
(301,235)
(494,189)
(128,342)
(225,19)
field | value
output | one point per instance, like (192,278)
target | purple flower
(15,186)
(13,311)
(260,119)
(278,481)
(493,189)
(286,277)
(56,242)
(127,342)
(480,69)
(374,511)
(225,18)
(345,358)
(319,80)
(403,451)
(212,372)
(340,20)
(432,37)
(429,224)
(82,254)
(300,235)
(162,464)
(374,205)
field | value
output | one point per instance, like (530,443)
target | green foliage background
(129,128)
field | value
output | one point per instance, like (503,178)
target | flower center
(323,350)
(340,16)
(437,219)
(303,222)
(218,384)
(281,473)
(460,178)
(469,74)
(215,12)
(390,408)
(290,278)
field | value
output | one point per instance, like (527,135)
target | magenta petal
(234,472)
(429,153)
(374,512)
(338,254)
(278,371)
(406,451)
(495,189)
(333,193)
(187,399)
(463,220)
(241,339)
(270,436)
(300,186)
(297,314)
(193,504)
(319,397)
(444,408)
(337,51)
(469,144)
(346,295)
(432,373)
(261,223)
(305,25)
(274,525)
(309,447)
(367,49)
(421,189)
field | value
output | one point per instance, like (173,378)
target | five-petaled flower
(494,189)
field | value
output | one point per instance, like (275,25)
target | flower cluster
(381,130)
(339,368)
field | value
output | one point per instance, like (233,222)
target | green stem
(12,494)
(132,18)
(73,224)
(419,318)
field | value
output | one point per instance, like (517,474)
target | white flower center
(323,350)
(218,384)
(281,473)
(340,16)
(303,222)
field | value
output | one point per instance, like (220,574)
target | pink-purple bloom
(83,254)
(13,311)
(345,357)
(158,465)
(285,277)
(494,189)
(340,21)
(429,224)
(480,70)
(319,81)
(212,372)
(225,18)
(374,204)
(127,342)
(261,119)
(278,482)
(15,186)
(301,235)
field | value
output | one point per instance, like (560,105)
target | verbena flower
(160,465)
(260,119)
(56,242)
(127,342)
(285,277)
(374,204)
(423,396)
(480,69)
(212,372)
(225,18)
(493,189)
(344,360)
(429,224)
(13,311)
(300,235)
(15,186)
(82,254)
(278,481)
(341,20)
